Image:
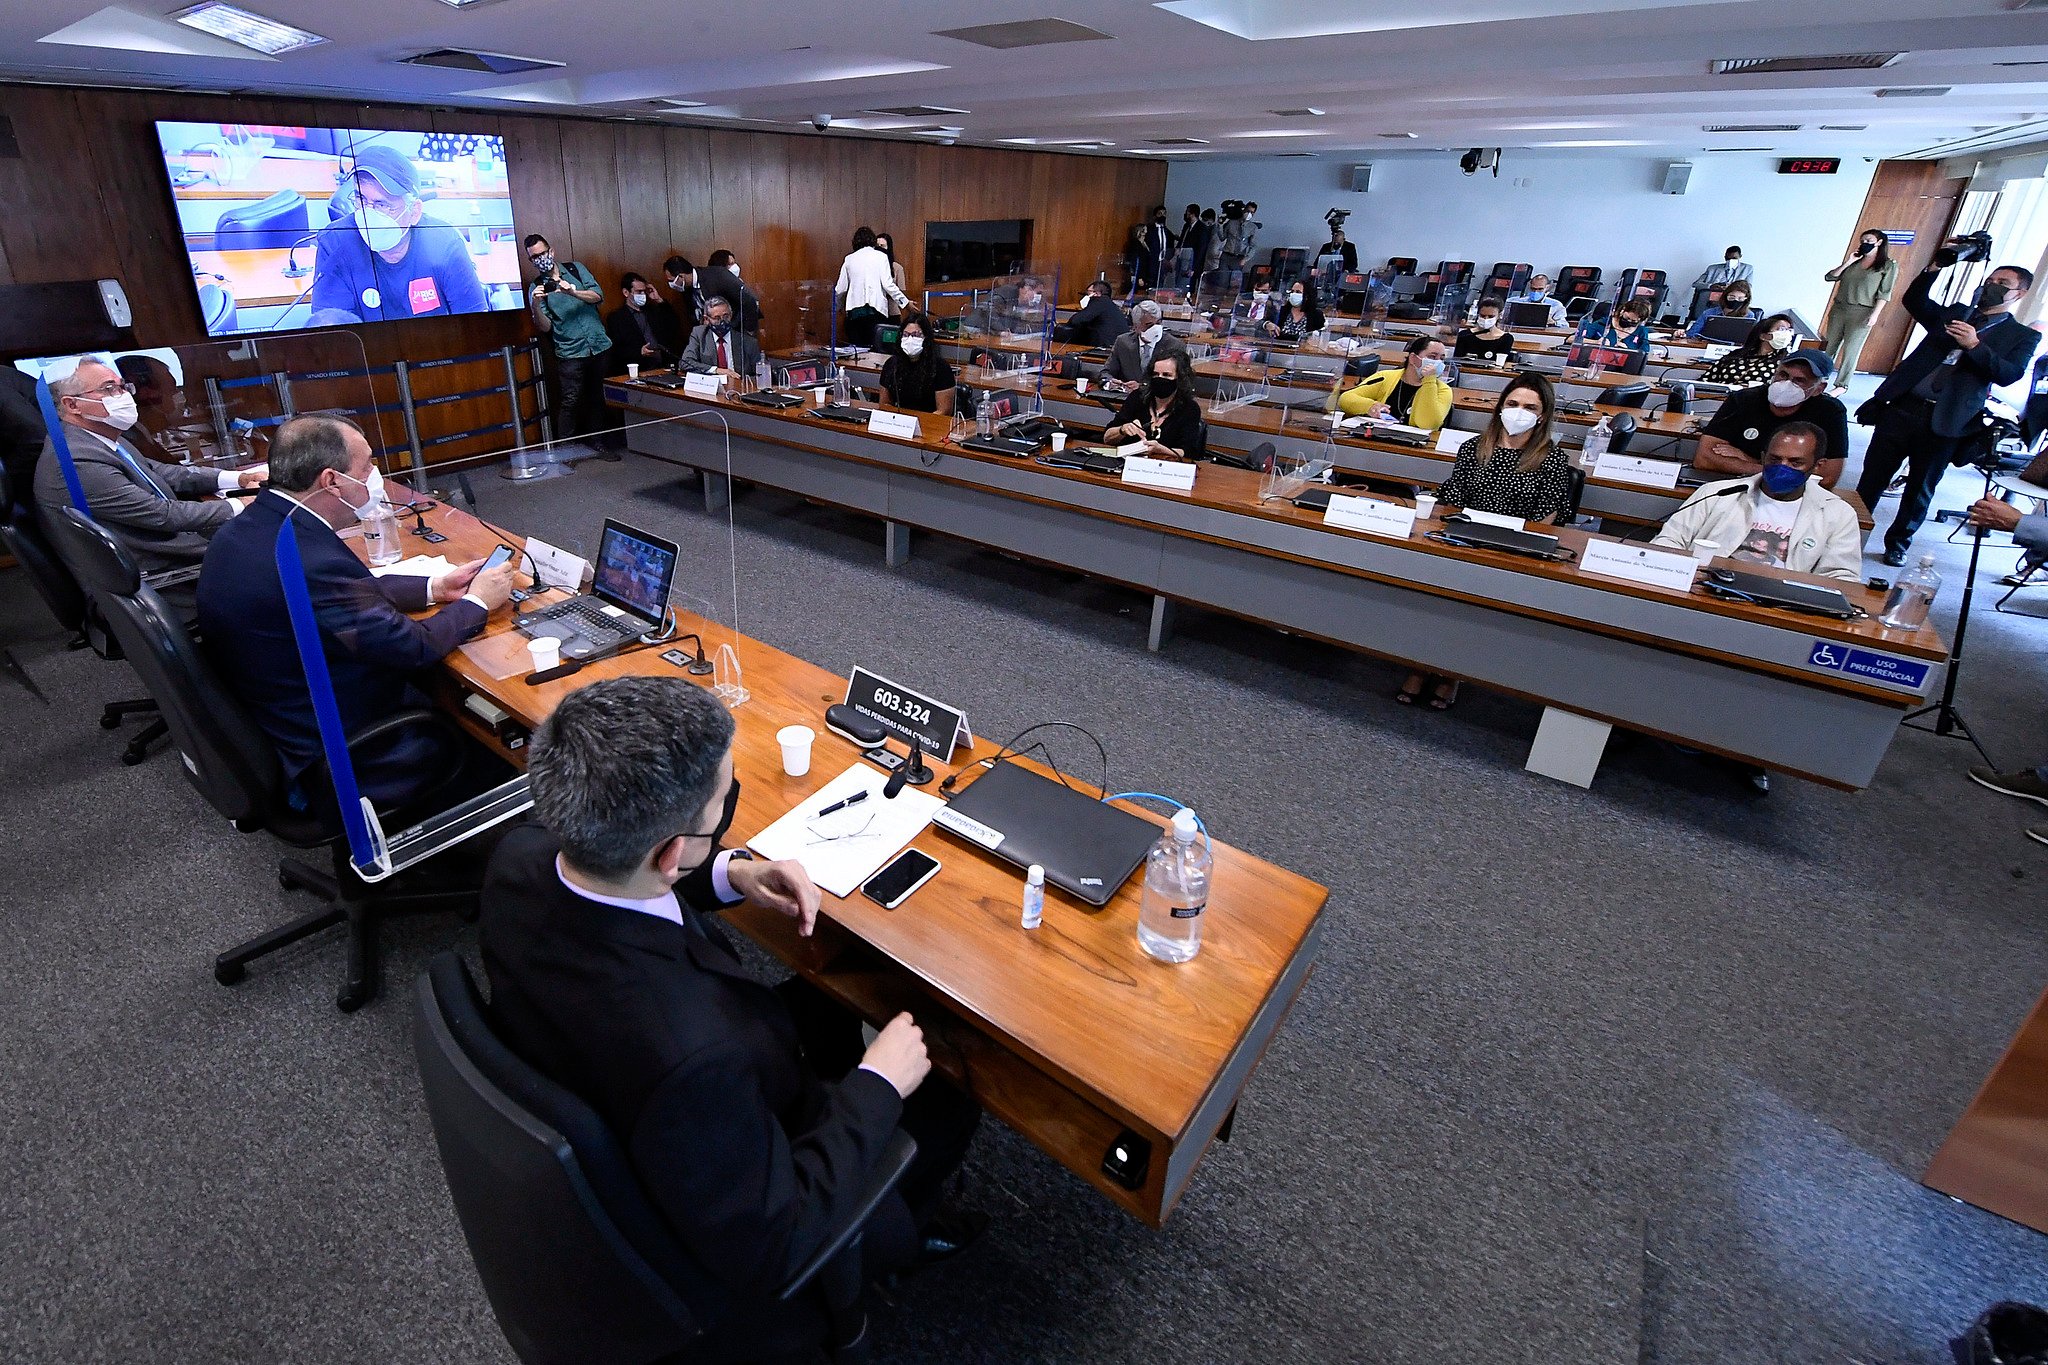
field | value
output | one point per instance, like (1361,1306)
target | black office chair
(233,765)
(57,583)
(1575,491)
(1201,450)
(1401,265)
(577,1264)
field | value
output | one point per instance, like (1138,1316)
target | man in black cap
(388,257)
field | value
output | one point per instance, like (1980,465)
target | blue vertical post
(61,444)
(298,600)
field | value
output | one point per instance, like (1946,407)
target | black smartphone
(892,886)
(501,555)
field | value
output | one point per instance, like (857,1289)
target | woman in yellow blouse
(1414,395)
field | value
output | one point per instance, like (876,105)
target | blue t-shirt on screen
(437,275)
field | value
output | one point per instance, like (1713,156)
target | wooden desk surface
(1142,1044)
(1237,491)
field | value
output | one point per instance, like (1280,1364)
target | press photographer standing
(1938,390)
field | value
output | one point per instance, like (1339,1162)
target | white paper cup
(1704,550)
(546,651)
(1425,506)
(796,748)
(818,395)
(1059,440)
(632,372)
(1080,386)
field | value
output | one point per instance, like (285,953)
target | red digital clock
(1809,165)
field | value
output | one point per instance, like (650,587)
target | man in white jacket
(1781,517)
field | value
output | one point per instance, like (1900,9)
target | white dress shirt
(867,282)
(665,906)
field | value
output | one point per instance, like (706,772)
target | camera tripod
(1946,720)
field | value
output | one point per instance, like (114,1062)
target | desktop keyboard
(584,612)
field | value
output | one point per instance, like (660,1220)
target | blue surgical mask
(1536,293)
(1782,480)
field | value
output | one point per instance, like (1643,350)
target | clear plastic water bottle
(380,535)
(1905,608)
(984,423)
(1597,441)
(764,377)
(840,388)
(1176,892)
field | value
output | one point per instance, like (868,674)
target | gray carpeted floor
(1640,1073)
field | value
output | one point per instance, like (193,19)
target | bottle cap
(1926,561)
(1034,875)
(1184,826)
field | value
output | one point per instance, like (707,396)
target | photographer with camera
(1234,236)
(1938,391)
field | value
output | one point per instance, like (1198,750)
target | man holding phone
(752,1114)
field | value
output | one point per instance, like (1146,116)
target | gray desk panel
(1775,720)
(1108,549)
(758,461)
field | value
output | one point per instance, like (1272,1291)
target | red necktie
(723,362)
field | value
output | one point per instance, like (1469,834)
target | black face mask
(1160,221)
(721,328)
(1991,294)
(1162,387)
(725,818)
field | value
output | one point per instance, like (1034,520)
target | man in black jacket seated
(1099,321)
(750,1114)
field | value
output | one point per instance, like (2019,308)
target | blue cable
(1155,796)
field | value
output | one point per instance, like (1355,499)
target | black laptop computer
(1486,536)
(1087,847)
(1728,330)
(1779,592)
(628,595)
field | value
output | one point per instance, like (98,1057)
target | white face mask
(1295,298)
(1487,324)
(1781,339)
(735,268)
(639,299)
(1429,368)
(120,411)
(913,347)
(1150,336)
(373,493)
(1515,421)
(1783,393)
(379,229)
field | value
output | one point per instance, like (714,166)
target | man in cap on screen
(389,258)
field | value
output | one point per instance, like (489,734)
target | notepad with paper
(845,848)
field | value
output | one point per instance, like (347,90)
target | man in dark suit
(1130,359)
(163,513)
(1154,250)
(321,477)
(722,278)
(751,1114)
(643,329)
(21,438)
(685,294)
(1939,389)
(1099,323)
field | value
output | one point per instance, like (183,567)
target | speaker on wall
(1677,176)
(1361,179)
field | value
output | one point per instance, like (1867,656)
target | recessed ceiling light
(1178,141)
(1397,135)
(1841,61)
(1023,33)
(1303,112)
(251,30)
(1843,127)
(918,110)
(1750,128)
(675,104)
(1738,149)
(467,4)
(496,63)
(1278,132)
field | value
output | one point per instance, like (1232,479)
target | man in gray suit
(1130,359)
(163,513)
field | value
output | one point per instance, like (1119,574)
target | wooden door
(1905,196)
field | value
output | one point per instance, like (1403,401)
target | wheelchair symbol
(1825,656)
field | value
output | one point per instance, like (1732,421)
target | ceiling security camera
(821,121)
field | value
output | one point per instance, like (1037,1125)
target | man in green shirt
(564,303)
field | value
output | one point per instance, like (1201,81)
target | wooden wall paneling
(1904,195)
(589,165)
(688,153)
(533,168)
(54,224)
(641,177)
(799,243)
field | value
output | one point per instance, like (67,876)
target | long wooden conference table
(1070,1033)
(1808,695)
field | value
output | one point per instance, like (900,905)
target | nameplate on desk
(554,568)
(703,385)
(967,827)
(1450,441)
(908,715)
(1637,470)
(1495,519)
(1638,564)
(1176,475)
(1374,515)
(902,424)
